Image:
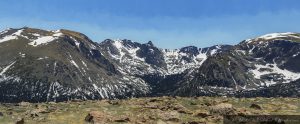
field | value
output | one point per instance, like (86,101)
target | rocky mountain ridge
(39,65)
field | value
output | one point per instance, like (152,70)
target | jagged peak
(120,43)
(117,40)
(188,49)
(149,43)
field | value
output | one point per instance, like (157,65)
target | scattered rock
(181,109)
(255,106)
(225,101)
(185,111)
(121,119)
(289,106)
(160,122)
(153,100)
(173,119)
(36,112)
(113,102)
(207,104)
(76,100)
(222,109)
(243,112)
(20,121)
(146,110)
(143,120)
(24,104)
(43,111)
(37,106)
(51,108)
(169,116)
(40,119)
(193,103)
(167,98)
(9,113)
(141,102)
(152,107)
(98,117)
(32,113)
(194,122)
(223,105)
(52,103)
(201,114)
(178,107)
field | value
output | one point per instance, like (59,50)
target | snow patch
(41,58)
(35,34)
(92,46)
(84,63)
(13,36)
(243,52)
(118,44)
(6,68)
(22,54)
(8,38)
(175,63)
(99,90)
(214,51)
(278,35)
(42,40)
(274,69)
(251,50)
(273,36)
(296,54)
(74,63)
(77,43)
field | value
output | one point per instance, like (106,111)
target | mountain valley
(40,66)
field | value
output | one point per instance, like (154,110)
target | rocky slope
(251,65)
(39,65)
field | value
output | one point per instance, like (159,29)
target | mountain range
(39,65)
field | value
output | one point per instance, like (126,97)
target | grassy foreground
(156,110)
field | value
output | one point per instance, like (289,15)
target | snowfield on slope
(270,69)
(13,36)
(42,40)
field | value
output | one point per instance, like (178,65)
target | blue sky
(167,23)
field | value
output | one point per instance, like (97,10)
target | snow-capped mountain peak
(152,60)
(62,64)
(278,35)
(289,36)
